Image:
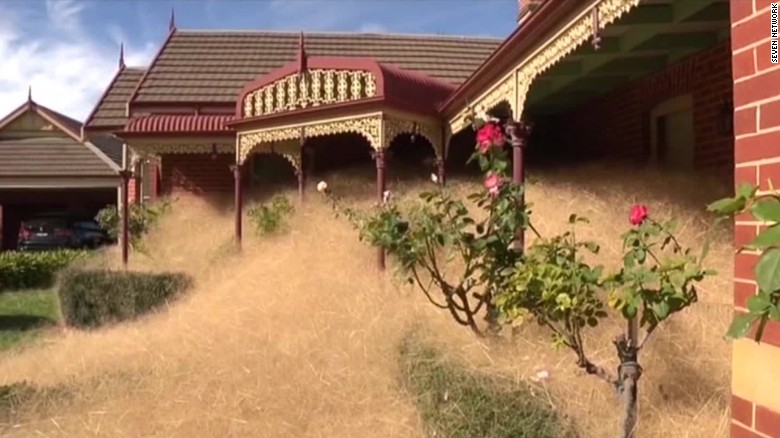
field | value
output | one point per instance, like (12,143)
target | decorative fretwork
(248,142)
(369,127)
(330,86)
(514,86)
(293,92)
(289,150)
(304,90)
(161,148)
(316,87)
(394,127)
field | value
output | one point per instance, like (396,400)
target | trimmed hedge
(33,270)
(93,298)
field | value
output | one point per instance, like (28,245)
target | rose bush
(550,282)
(764,306)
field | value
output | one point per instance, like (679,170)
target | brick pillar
(133,188)
(755,404)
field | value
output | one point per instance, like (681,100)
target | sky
(67,51)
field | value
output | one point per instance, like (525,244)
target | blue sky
(67,49)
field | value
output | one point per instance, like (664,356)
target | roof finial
(121,56)
(301,54)
(172,22)
(29,93)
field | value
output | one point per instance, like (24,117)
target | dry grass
(298,336)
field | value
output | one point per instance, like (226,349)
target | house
(47,165)
(176,115)
(690,85)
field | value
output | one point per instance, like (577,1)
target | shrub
(95,298)
(550,281)
(271,217)
(28,270)
(142,218)
(456,403)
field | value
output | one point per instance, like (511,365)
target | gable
(30,125)
(38,142)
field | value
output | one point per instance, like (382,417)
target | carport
(47,165)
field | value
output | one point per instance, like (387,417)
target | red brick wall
(757,158)
(618,124)
(196,173)
(132,190)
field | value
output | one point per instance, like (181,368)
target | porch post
(139,182)
(441,158)
(302,170)
(518,138)
(380,192)
(441,172)
(125,174)
(236,168)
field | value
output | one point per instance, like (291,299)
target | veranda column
(236,168)
(441,157)
(301,171)
(518,138)
(125,232)
(441,173)
(380,192)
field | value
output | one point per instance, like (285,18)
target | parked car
(60,231)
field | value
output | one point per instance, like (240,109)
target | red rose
(638,214)
(490,135)
(493,183)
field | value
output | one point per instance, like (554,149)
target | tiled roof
(49,156)
(109,145)
(162,123)
(411,87)
(210,66)
(110,110)
(57,156)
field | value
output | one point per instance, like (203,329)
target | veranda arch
(321,96)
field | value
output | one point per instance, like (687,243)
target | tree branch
(426,290)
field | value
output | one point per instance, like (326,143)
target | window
(672,136)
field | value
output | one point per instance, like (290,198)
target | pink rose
(493,183)
(490,135)
(638,214)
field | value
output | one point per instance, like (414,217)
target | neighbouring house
(689,85)
(46,165)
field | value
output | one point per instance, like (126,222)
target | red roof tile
(211,66)
(170,123)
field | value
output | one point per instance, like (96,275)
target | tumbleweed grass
(299,335)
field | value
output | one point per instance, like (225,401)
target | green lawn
(26,314)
